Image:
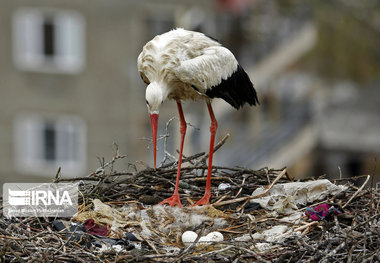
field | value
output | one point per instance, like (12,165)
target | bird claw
(172,201)
(205,200)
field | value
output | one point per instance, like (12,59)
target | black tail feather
(236,90)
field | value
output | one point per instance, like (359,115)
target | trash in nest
(250,206)
(95,229)
(162,222)
(320,212)
(272,235)
(117,244)
(74,232)
(250,234)
(78,233)
(284,198)
(223,186)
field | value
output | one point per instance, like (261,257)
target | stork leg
(205,200)
(174,199)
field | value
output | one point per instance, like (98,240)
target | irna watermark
(40,200)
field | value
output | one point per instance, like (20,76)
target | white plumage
(182,65)
(180,58)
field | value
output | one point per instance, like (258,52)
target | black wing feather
(236,90)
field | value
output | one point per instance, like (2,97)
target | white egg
(188,237)
(215,236)
(205,240)
(210,238)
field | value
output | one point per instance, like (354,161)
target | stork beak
(153,122)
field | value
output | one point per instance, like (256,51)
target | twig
(166,152)
(217,251)
(184,160)
(150,244)
(357,192)
(252,253)
(366,222)
(192,245)
(333,252)
(251,197)
(241,188)
(58,174)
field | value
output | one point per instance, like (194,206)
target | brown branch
(236,200)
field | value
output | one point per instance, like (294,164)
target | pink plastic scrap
(320,212)
(94,229)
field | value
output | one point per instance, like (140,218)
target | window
(50,41)
(42,144)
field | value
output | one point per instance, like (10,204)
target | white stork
(183,65)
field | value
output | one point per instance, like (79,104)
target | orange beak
(153,122)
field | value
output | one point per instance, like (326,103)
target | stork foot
(172,201)
(205,200)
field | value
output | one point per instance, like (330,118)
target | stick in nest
(357,192)
(236,200)
(166,136)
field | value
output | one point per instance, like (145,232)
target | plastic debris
(105,248)
(167,222)
(284,198)
(223,186)
(77,233)
(320,212)
(250,206)
(73,232)
(131,237)
(270,235)
(95,229)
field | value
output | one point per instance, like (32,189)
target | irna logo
(31,199)
(39,197)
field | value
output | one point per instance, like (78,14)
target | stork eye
(147,103)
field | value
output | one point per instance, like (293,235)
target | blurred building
(71,87)
(349,132)
(70,84)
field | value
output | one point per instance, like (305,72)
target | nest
(352,235)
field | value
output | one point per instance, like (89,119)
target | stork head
(154,96)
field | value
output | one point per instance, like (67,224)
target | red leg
(205,200)
(175,200)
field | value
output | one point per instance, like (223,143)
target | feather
(191,65)
(236,89)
